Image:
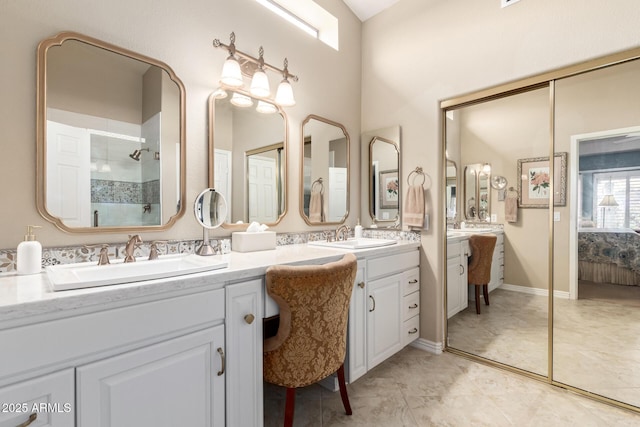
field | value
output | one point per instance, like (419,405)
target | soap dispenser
(29,255)
(358,230)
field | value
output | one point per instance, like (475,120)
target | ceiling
(365,9)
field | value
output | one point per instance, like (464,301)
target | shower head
(137,153)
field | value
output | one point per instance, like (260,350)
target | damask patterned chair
(311,340)
(482,246)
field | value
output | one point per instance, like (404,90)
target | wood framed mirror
(324,174)
(110,138)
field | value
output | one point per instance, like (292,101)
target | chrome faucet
(133,242)
(342,232)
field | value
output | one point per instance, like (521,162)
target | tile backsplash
(90,253)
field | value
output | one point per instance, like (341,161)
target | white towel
(413,213)
(511,207)
(316,207)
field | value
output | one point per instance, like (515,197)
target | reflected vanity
(247,160)
(111,139)
(324,195)
(477,197)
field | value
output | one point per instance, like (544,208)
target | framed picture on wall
(389,189)
(534,185)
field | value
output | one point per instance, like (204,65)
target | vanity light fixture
(266,107)
(240,100)
(256,69)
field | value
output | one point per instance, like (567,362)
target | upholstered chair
(311,340)
(482,246)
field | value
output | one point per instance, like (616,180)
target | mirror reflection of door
(513,328)
(597,305)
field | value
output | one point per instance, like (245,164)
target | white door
(357,335)
(263,191)
(337,194)
(244,347)
(222,177)
(68,188)
(179,382)
(384,321)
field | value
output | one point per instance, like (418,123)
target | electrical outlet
(494,218)
(556,216)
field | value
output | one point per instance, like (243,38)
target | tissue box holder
(241,241)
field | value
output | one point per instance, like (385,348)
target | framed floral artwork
(389,189)
(534,183)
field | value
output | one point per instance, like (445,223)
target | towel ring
(318,182)
(417,171)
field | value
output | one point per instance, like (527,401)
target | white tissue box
(242,241)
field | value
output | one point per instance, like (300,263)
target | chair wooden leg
(289,406)
(343,390)
(477,299)
(485,291)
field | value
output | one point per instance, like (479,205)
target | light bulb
(240,100)
(260,84)
(266,108)
(231,74)
(284,94)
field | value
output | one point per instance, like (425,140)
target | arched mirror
(247,158)
(111,139)
(384,180)
(451,190)
(324,197)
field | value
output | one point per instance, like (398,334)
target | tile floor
(417,388)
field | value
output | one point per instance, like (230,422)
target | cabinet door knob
(361,285)
(413,306)
(374,303)
(411,282)
(31,419)
(222,368)
(461,269)
(249,318)
(413,331)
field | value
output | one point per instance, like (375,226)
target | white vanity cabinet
(175,382)
(384,312)
(457,286)
(497,263)
(48,398)
(244,347)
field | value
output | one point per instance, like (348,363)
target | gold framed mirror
(324,171)
(110,138)
(384,181)
(248,159)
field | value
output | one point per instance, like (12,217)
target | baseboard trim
(534,291)
(426,345)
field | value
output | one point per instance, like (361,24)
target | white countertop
(463,234)
(30,299)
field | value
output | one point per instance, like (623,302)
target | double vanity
(86,356)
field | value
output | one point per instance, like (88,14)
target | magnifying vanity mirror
(324,195)
(111,138)
(247,160)
(210,210)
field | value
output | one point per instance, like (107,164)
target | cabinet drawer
(410,330)
(411,281)
(55,392)
(384,266)
(411,305)
(453,250)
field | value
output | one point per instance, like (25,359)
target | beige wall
(419,52)
(180,35)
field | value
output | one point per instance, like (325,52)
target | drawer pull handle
(374,303)
(414,281)
(221,353)
(413,331)
(249,318)
(361,285)
(413,306)
(31,419)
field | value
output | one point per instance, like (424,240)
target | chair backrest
(482,246)
(314,308)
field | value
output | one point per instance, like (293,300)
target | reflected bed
(608,255)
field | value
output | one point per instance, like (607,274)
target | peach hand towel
(316,207)
(413,214)
(511,207)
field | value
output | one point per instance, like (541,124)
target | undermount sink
(361,243)
(88,274)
